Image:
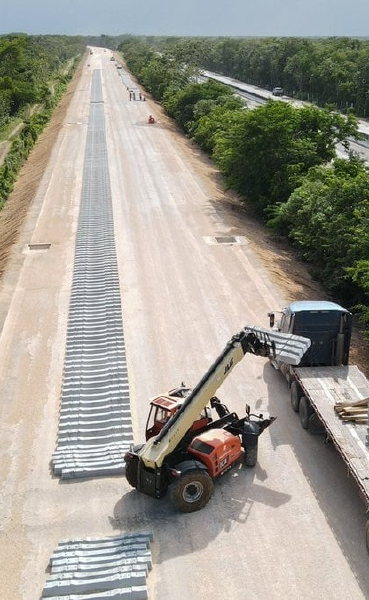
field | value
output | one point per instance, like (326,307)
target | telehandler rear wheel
(251,456)
(192,490)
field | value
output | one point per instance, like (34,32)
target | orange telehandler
(186,449)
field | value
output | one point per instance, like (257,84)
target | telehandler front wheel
(132,471)
(192,490)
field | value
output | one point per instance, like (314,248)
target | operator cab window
(162,415)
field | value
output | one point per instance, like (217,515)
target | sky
(187,17)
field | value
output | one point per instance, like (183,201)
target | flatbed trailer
(324,387)
(324,378)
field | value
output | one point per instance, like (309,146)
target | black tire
(316,427)
(132,471)
(367,535)
(192,490)
(296,394)
(305,412)
(251,456)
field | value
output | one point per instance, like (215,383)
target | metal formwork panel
(114,567)
(95,422)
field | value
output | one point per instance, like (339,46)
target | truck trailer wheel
(305,412)
(251,456)
(192,490)
(296,393)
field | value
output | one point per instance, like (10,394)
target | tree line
(280,159)
(34,71)
(324,71)
(28,66)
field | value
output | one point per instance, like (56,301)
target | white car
(277,91)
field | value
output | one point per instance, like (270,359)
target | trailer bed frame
(324,387)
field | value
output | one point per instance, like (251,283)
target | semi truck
(324,382)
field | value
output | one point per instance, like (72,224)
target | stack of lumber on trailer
(353,411)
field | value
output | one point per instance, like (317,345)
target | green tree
(327,219)
(213,118)
(181,106)
(270,149)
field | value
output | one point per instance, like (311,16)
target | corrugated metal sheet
(289,348)
(95,426)
(113,567)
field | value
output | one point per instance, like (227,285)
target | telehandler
(185,449)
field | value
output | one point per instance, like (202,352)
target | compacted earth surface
(293,527)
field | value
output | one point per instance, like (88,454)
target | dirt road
(291,528)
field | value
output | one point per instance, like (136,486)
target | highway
(255,96)
(193,270)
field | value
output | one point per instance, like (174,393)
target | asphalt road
(293,527)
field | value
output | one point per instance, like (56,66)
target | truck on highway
(186,450)
(328,393)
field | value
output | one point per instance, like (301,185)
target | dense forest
(34,71)
(280,159)
(324,71)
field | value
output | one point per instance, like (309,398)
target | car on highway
(277,91)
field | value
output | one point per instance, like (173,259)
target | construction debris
(353,411)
